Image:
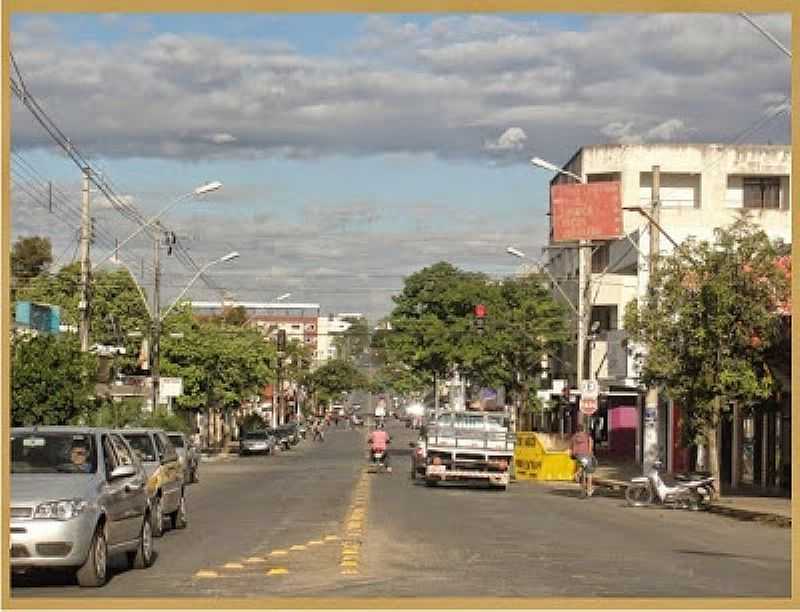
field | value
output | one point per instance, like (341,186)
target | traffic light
(480,316)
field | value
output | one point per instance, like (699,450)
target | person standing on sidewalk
(582,450)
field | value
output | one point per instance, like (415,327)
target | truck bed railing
(471,439)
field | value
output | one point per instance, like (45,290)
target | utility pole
(86,268)
(650,452)
(156,350)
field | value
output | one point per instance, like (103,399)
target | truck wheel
(94,571)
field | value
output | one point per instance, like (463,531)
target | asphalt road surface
(313,522)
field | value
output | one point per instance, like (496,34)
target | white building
(702,187)
(328,328)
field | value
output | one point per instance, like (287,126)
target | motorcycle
(379,461)
(687,493)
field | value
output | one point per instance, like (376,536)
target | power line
(125,208)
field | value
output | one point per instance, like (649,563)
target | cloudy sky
(356,149)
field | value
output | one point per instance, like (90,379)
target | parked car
(253,442)
(165,484)
(187,455)
(77,497)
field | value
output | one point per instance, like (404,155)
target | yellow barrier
(540,456)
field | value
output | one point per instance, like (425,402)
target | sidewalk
(742,504)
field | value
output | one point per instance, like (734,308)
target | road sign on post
(588,406)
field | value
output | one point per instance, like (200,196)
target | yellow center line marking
(277,571)
(206,574)
(297,547)
(331,538)
(349,564)
(315,542)
(278,553)
(233,566)
(255,560)
(349,572)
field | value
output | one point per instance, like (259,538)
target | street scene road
(399,305)
(287,535)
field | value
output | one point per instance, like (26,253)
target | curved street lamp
(201,190)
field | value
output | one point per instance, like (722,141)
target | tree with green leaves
(222,366)
(52,382)
(118,307)
(709,325)
(335,377)
(433,329)
(30,256)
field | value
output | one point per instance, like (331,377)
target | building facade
(702,187)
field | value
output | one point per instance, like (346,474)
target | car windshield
(177,441)
(142,445)
(255,435)
(52,453)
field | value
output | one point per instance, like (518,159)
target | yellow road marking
(331,538)
(278,553)
(277,571)
(255,560)
(233,566)
(297,547)
(349,572)
(315,542)
(206,574)
(349,564)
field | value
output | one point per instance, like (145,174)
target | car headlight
(61,510)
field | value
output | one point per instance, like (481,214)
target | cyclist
(581,447)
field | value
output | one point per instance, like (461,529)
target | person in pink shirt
(378,442)
(581,448)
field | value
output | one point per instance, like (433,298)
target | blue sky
(358,145)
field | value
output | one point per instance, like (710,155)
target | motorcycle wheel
(639,495)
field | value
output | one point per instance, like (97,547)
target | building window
(606,316)
(600,258)
(295,327)
(761,192)
(605,177)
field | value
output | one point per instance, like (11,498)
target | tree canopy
(433,329)
(52,382)
(710,326)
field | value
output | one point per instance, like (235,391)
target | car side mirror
(123,471)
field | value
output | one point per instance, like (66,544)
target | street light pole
(156,348)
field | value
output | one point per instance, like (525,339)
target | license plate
(436,469)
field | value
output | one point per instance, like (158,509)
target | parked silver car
(77,497)
(187,455)
(256,442)
(165,485)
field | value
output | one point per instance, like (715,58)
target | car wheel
(179,518)
(94,571)
(142,557)
(158,517)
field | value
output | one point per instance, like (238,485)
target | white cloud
(513,139)
(221,138)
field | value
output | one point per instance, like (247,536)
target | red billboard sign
(586,211)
